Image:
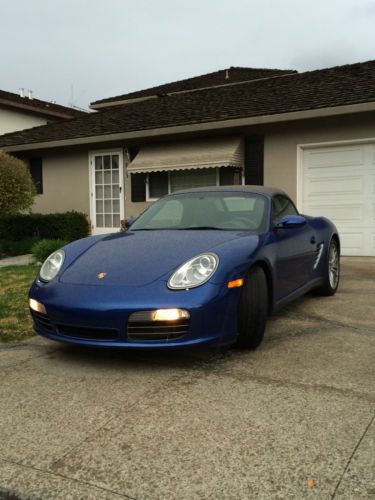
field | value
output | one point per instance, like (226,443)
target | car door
(295,249)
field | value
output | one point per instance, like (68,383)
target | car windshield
(206,210)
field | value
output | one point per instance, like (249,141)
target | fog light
(37,306)
(170,314)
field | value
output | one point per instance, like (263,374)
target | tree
(17,189)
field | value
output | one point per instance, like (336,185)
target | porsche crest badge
(101,276)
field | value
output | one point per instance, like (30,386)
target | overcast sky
(77,51)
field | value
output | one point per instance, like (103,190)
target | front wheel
(252,310)
(331,271)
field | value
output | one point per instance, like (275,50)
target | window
(281,206)
(35,167)
(158,184)
(162,183)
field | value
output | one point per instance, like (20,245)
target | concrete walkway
(292,420)
(18,260)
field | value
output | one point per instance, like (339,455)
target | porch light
(37,306)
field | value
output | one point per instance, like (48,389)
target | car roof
(264,190)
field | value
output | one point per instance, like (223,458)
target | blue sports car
(199,267)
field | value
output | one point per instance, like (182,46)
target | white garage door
(339,183)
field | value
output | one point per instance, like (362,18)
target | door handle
(312,240)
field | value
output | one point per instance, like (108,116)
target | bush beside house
(17,189)
(19,232)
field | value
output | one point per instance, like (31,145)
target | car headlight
(194,272)
(52,265)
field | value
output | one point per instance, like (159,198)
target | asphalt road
(292,420)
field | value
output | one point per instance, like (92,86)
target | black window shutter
(254,147)
(138,187)
(36,172)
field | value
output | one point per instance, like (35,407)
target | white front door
(107,197)
(339,183)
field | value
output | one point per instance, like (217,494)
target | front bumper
(98,315)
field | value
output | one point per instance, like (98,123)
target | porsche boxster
(199,267)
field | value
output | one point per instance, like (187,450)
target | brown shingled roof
(221,77)
(37,106)
(338,86)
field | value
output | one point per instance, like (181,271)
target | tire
(331,271)
(252,310)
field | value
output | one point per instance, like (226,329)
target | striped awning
(184,155)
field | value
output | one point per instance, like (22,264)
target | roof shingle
(38,106)
(338,86)
(221,77)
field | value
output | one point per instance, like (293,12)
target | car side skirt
(310,285)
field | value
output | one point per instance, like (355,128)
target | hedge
(68,226)
(43,248)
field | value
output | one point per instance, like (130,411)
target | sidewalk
(19,260)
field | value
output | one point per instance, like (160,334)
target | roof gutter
(199,127)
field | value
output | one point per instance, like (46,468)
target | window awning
(198,153)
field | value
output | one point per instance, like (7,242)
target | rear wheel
(252,310)
(332,270)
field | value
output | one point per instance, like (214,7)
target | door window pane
(107,162)
(107,192)
(98,163)
(115,191)
(99,191)
(116,221)
(116,206)
(98,177)
(108,220)
(115,162)
(99,207)
(108,206)
(107,177)
(115,177)
(99,220)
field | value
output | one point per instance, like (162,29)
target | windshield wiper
(199,228)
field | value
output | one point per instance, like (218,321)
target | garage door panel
(338,182)
(351,185)
(352,242)
(344,213)
(337,157)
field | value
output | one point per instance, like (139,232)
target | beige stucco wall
(10,121)
(65,183)
(66,178)
(280,145)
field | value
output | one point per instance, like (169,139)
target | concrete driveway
(292,420)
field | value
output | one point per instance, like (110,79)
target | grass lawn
(15,320)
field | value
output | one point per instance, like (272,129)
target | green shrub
(43,248)
(67,226)
(11,248)
(17,190)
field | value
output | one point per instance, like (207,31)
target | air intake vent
(79,332)
(143,330)
(41,320)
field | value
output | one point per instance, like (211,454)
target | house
(21,111)
(311,134)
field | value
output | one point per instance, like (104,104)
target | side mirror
(290,221)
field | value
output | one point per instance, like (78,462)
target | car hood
(136,258)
